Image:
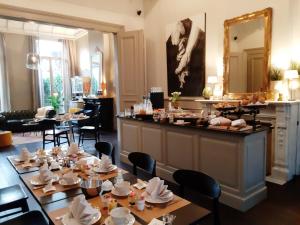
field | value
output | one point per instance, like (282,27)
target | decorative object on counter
(86,82)
(212,80)
(175,98)
(291,76)
(280,97)
(186,55)
(295,66)
(276,74)
(157,97)
(207,92)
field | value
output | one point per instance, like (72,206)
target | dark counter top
(200,128)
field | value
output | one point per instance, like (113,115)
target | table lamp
(291,75)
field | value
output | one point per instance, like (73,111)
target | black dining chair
(13,197)
(92,127)
(202,184)
(106,148)
(143,161)
(51,134)
(30,218)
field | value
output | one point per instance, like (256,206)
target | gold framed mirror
(247,50)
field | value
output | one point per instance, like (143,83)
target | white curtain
(4,77)
(36,81)
(70,68)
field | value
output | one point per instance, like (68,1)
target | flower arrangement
(175,96)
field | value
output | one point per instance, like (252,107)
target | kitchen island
(236,159)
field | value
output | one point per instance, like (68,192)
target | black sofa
(13,121)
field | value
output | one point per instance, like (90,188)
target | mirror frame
(267,15)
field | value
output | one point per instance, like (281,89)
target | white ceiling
(33,28)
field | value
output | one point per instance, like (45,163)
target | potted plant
(175,98)
(276,77)
(55,102)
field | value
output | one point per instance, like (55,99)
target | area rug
(26,138)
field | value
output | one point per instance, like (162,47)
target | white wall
(122,12)
(159,13)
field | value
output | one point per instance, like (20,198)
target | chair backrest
(106,148)
(143,161)
(199,182)
(47,124)
(50,113)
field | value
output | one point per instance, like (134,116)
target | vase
(175,104)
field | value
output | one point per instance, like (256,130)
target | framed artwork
(185,45)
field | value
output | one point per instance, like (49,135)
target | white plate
(36,180)
(63,182)
(30,158)
(114,192)
(66,220)
(108,220)
(149,199)
(100,170)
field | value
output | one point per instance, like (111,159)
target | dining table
(55,204)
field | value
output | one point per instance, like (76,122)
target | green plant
(55,101)
(295,66)
(175,96)
(275,74)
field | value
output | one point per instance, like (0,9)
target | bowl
(91,188)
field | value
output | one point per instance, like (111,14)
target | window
(51,70)
(96,69)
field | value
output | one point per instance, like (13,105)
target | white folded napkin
(70,177)
(24,154)
(156,222)
(49,187)
(73,149)
(239,123)
(82,211)
(45,174)
(105,163)
(157,190)
(220,121)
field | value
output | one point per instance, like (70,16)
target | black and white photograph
(185,48)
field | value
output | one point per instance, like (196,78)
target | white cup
(140,205)
(120,215)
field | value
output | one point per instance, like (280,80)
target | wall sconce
(290,76)
(32,61)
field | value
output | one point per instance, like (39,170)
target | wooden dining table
(56,204)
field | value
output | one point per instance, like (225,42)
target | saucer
(67,220)
(108,220)
(149,199)
(114,192)
(64,183)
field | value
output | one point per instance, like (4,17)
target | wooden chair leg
(44,140)
(216,212)
(82,138)
(79,138)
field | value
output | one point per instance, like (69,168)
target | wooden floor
(282,207)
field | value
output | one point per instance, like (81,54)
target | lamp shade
(291,74)
(212,79)
(32,61)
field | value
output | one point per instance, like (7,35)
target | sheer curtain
(70,67)
(4,78)
(36,82)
